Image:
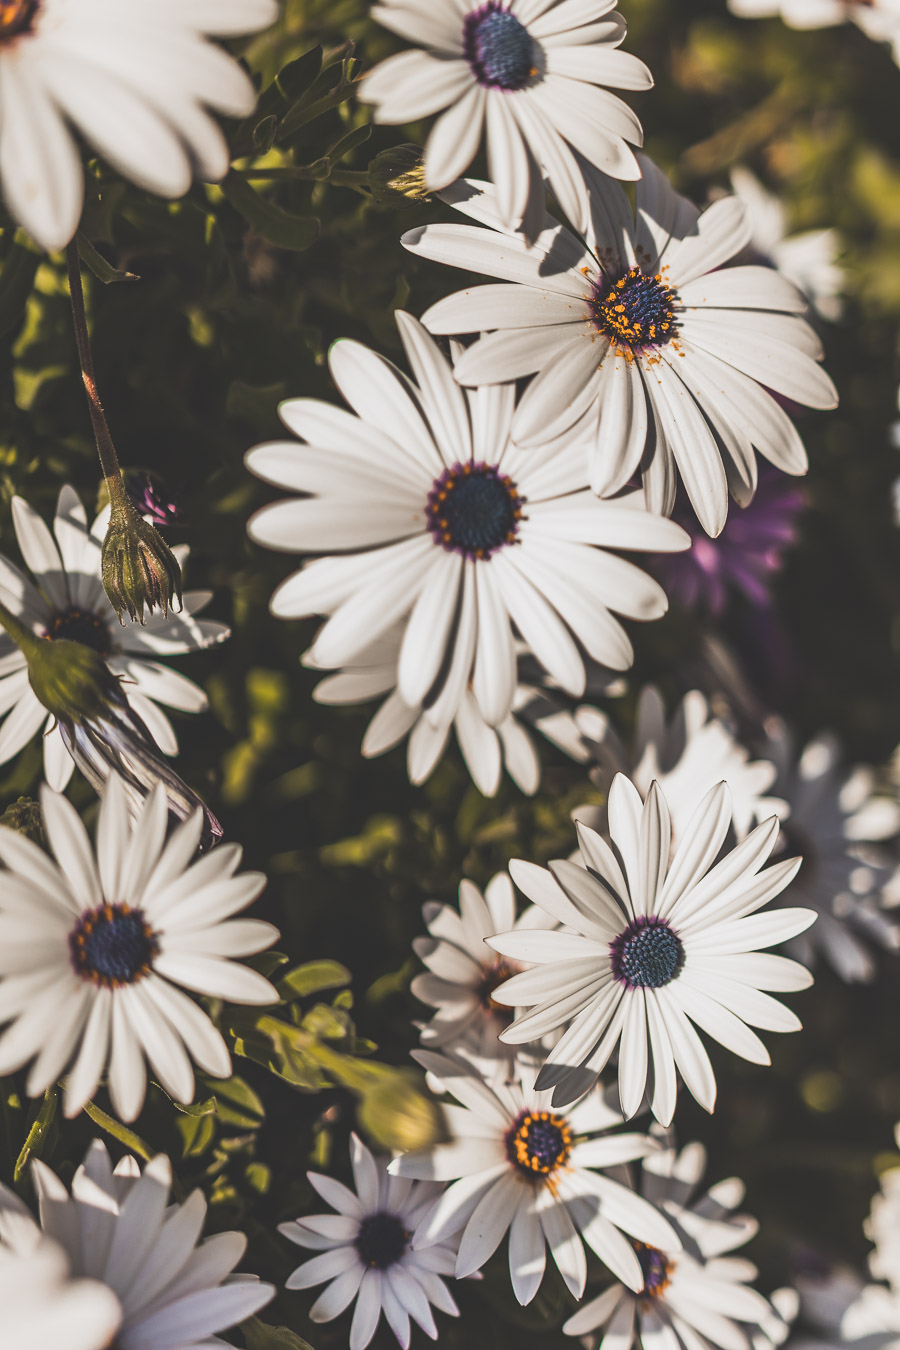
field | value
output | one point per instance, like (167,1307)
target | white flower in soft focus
(686,754)
(66,599)
(665,358)
(519,1166)
(529,80)
(118,1227)
(878,19)
(807,259)
(700,1295)
(94,947)
(883,1226)
(486,750)
(654,943)
(433,518)
(42,1305)
(463,972)
(839,823)
(368,1252)
(133,79)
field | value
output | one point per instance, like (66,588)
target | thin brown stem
(109,460)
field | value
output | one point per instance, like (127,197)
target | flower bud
(137,566)
(398,172)
(25,817)
(72,681)
(400,1114)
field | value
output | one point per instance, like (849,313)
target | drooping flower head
(639,333)
(653,942)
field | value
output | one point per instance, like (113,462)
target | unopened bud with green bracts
(138,568)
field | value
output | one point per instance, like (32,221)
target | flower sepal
(138,568)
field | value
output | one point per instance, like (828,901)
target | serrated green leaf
(278,226)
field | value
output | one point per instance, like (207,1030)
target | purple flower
(745,556)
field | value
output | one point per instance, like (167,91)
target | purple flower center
(16,17)
(112,946)
(538,1142)
(381,1240)
(498,47)
(80,625)
(648,954)
(656,1269)
(474,510)
(635,312)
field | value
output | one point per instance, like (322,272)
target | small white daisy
(520,1167)
(655,942)
(42,1304)
(807,259)
(639,333)
(368,1252)
(434,518)
(133,79)
(687,754)
(66,599)
(878,19)
(118,1227)
(486,750)
(529,79)
(463,972)
(839,823)
(94,947)
(698,1295)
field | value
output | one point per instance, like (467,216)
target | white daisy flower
(42,1304)
(97,947)
(686,754)
(118,1227)
(698,1295)
(839,822)
(134,80)
(883,1226)
(654,943)
(66,599)
(807,259)
(527,77)
(486,750)
(463,972)
(667,359)
(878,19)
(368,1252)
(434,518)
(519,1166)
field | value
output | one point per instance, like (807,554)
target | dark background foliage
(193,356)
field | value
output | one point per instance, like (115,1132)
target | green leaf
(278,226)
(312,977)
(259,1336)
(238,1105)
(299,75)
(38,1132)
(132,1141)
(96,263)
(206,1108)
(341,148)
(16,282)
(197,1134)
(264,134)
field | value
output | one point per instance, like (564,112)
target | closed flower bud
(72,681)
(25,817)
(138,568)
(399,1113)
(398,172)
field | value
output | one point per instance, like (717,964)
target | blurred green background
(192,359)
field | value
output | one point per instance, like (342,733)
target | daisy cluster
(606,416)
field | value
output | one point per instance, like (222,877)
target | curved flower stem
(109,460)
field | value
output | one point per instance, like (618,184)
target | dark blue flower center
(381,1240)
(112,946)
(80,625)
(474,510)
(16,17)
(648,954)
(498,47)
(656,1269)
(538,1142)
(635,312)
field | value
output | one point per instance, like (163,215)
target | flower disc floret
(656,1269)
(80,625)
(474,509)
(539,1142)
(112,946)
(636,312)
(16,17)
(647,954)
(498,47)
(382,1240)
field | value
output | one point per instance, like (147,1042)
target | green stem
(27,641)
(307,174)
(109,460)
